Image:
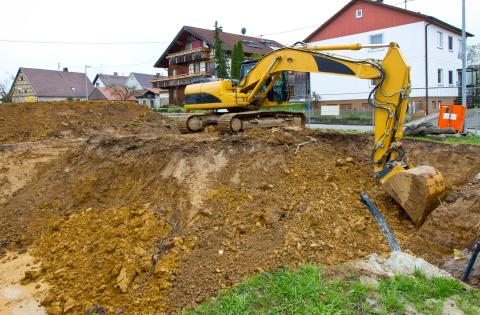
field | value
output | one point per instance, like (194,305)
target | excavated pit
(158,221)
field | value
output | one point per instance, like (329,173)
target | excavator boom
(417,190)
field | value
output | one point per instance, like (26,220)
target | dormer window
(358,13)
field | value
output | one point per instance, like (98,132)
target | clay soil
(144,220)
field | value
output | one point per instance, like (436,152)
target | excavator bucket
(418,190)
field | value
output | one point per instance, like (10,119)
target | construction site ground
(106,206)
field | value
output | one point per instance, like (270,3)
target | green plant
(306,291)
(221,69)
(238,57)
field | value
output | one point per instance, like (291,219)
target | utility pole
(86,83)
(464,66)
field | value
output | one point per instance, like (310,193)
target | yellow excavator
(262,83)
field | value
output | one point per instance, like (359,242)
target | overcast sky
(159,21)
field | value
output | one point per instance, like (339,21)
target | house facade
(190,57)
(153,97)
(37,85)
(109,80)
(141,81)
(430,46)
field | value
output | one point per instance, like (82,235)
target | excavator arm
(418,189)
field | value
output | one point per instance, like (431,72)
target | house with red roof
(189,58)
(432,48)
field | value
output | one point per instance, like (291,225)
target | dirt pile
(39,121)
(453,225)
(242,203)
(122,260)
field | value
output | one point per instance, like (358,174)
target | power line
(290,31)
(127,65)
(79,43)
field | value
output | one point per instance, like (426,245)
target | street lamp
(86,83)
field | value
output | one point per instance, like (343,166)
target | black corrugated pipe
(381,222)
(471,262)
(426,67)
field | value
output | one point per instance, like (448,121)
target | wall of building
(410,38)
(132,82)
(22,90)
(99,83)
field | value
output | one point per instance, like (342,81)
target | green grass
(470,139)
(293,107)
(307,291)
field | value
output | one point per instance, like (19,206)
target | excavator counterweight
(417,189)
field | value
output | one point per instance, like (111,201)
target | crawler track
(235,122)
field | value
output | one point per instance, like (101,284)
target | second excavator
(417,189)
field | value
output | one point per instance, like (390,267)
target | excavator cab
(278,93)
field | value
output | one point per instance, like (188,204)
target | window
(190,68)
(450,43)
(450,77)
(291,90)
(21,78)
(375,39)
(440,40)
(440,76)
(250,44)
(97,84)
(196,67)
(188,46)
(373,82)
(358,13)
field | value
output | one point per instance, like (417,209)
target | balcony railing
(182,79)
(190,55)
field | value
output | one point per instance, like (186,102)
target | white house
(429,45)
(108,80)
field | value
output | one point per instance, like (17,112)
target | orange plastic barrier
(451,116)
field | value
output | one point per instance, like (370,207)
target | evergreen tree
(221,70)
(238,57)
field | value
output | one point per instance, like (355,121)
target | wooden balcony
(182,79)
(187,56)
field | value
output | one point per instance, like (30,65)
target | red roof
(111,94)
(376,15)
(257,45)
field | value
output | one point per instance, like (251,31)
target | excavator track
(196,122)
(236,122)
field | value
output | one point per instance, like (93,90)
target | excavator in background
(417,189)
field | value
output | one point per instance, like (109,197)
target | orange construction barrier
(452,116)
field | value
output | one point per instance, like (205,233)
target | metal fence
(319,115)
(473,120)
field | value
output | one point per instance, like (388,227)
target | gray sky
(159,21)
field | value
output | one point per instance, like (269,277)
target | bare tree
(122,92)
(473,56)
(5,87)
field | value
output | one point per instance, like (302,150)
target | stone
(68,305)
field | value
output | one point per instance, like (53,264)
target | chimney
(115,73)
(65,69)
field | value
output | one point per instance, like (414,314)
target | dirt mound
(119,259)
(250,202)
(453,225)
(39,121)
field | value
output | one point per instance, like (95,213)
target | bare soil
(21,122)
(150,220)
